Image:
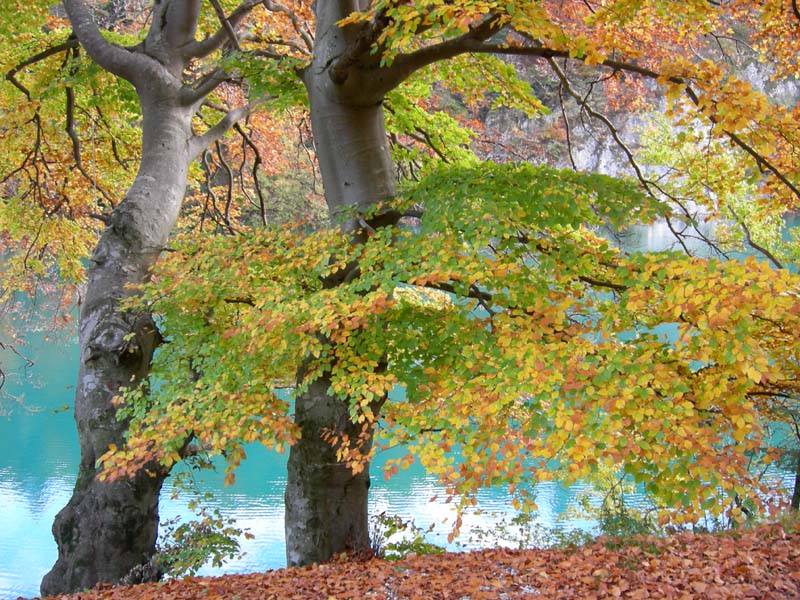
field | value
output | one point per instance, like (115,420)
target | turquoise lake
(39,456)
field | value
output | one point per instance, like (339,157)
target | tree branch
(405,65)
(297,23)
(113,58)
(752,243)
(200,142)
(11,75)
(229,194)
(207,84)
(181,23)
(226,24)
(69,127)
(541,52)
(202,48)
(256,165)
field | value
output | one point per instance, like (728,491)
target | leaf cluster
(503,341)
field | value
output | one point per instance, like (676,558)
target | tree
(108,528)
(353,316)
(520,336)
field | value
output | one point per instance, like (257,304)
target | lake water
(39,455)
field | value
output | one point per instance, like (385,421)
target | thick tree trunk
(353,153)
(326,504)
(107,529)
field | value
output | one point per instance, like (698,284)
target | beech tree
(108,528)
(522,339)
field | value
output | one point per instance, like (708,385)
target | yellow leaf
(752,373)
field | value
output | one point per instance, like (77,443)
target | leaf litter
(760,563)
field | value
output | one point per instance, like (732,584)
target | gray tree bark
(108,528)
(326,505)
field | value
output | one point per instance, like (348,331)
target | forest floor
(762,563)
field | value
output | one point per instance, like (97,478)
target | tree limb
(226,24)
(113,58)
(207,84)
(200,142)
(202,48)
(416,60)
(539,51)
(404,65)
(70,43)
(752,243)
(181,22)
(297,23)
(256,165)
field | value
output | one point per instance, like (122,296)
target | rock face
(587,144)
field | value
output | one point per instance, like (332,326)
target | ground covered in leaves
(761,563)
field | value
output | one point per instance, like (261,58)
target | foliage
(523,342)
(58,171)
(183,548)
(758,563)
(394,538)
(705,174)
(503,340)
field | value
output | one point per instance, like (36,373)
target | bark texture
(107,529)
(326,504)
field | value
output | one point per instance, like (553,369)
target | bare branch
(207,84)
(200,142)
(69,127)
(113,58)
(539,51)
(256,165)
(405,65)
(199,49)
(421,136)
(226,24)
(297,23)
(582,102)
(229,194)
(69,44)
(566,126)
(752,243)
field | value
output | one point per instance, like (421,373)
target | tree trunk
(107,529)
(326,504)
